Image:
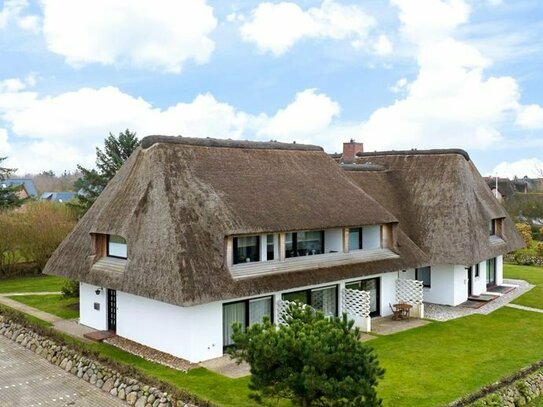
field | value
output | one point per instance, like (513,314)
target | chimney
(350,149)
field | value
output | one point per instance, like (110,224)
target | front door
(111,310)
(470,283)
(491,272)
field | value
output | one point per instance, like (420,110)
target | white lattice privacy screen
(282,311)
(355,302)
(409,291)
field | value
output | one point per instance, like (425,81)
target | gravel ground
(445,312)
(151,354)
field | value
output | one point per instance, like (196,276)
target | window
(116,246)
(423,274)
(322,299)
(491,272)
(477,270)
(304,243)
(246,312)
(246,249)
(355,239)
(492,227)
(371,285)
(270,247)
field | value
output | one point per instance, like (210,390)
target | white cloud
(68,126)
(277,27)
(530,117)
(13,12)
(382,46)
(308,114)
(451,102)
(5,148)
(531,167)
(160,35)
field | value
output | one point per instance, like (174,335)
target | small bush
(70,289)
(525,231)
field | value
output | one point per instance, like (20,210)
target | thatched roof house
(440,198)
(176,199)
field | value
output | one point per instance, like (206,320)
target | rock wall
(125,388)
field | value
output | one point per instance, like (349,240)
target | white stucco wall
(442,285)
(479,283)
(333,240)
(388,292)
(499,270)
(88,316)
(192,333)
(371,237)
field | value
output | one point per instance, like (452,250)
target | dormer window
(304,243)
(116,246)
(246,249)
(495,227)
(355,239)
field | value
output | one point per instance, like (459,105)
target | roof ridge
(149,141)
(436,151)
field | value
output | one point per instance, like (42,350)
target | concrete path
(525,308)
(27,379)
(68,326)
(19,306)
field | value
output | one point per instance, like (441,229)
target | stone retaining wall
(517,394)
(125,388)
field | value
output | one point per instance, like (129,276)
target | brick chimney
(350,149)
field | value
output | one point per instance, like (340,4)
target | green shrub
(70,289)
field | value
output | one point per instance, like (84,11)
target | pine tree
(8,194)
(108,161)
(313,361)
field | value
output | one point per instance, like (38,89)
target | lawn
(31,284)
(67,308)
(532,274)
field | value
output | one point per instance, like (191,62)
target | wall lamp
(99,291)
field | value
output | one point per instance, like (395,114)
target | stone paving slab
(73,328)
(28,380)
(525,308)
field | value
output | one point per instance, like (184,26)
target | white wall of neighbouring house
(192,333)
(88,315)
(333,240)
(499,270)
(371,237)
(408,274)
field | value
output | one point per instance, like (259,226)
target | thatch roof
(442,202)
(176,199)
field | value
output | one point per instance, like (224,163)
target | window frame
(308,295)
(235,248)
(476,272)
(107,247)
(247,317)
(421,269)
(295,243)
(360,231)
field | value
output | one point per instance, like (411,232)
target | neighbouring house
(502,189)
(27,187)
(192,235)
(61,197)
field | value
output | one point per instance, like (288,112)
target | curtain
(231,313)
(258,309)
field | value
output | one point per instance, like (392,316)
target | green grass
(538,402)
(427,366)
(532,274)
(31,284)
(443,361)
(53,304)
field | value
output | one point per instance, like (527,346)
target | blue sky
(396,74)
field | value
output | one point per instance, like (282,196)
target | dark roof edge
(362,167)
(436,151)
(149,141)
